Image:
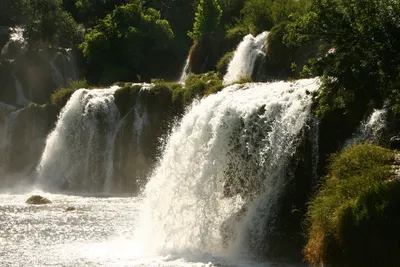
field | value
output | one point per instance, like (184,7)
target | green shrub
(131,43)
(223,63)
(207,19)
(354,219)
(61,96)
(78,84)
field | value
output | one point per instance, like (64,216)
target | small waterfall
(79,152)
(63,67)
(17,37)
(372,129)
(225,161)
(244,59)
(6,144)
(185,72)
(21,100)
(58,78)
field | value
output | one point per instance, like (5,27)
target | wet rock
(68,209)
(37,200)
(395,142)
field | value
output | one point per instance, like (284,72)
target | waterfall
(371,129)
(185,72)
(16,36)
(245,57)
(6,144)
(58,78)
(225,162)
(79,152)
(63,67)
(21,100)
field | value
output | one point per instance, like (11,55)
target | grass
(223,63)
(354,219)
(61,96)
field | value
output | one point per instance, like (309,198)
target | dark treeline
(352,45)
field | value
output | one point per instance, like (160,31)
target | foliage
(284,61)
(88,12)
(49,24)
(223,63)
(130,42)
(207,19)
(359,57)
(61,96)
(354,216)
(262,15)
(10,12)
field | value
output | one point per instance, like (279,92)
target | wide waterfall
(78,151)
(217,184)
(245,57)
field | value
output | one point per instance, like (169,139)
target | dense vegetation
(352,45)
(354,219)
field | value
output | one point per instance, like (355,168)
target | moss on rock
(37,200)
(354,219)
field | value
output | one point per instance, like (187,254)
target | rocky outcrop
(395,142)
(37,200)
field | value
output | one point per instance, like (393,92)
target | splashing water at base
(229,152)
(97,233)
(77,152)
(245,57)
(228,155)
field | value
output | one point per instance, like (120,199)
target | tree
(359,57)
(207,19)
(48,23)
(130,43)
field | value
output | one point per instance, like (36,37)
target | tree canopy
(130,43)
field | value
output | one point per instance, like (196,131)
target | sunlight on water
(98,233)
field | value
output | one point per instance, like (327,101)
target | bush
(61,96)
(354,219)
(223,63)
(207,19)
(131,43)
(358,56)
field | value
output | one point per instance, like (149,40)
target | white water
(230,150)
(16,36)
(6,141)
(371,129)
(185,72)
(244,59)
(21,100)
(240,139)
(98,233)
(66,71)
(77,153)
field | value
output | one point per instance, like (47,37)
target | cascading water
(17,36)
(225,161)
(78,152)
(245,57)
(63,67)
(372,129)
(185,72)
(21,100)
(6,144)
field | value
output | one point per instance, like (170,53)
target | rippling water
(98,233)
